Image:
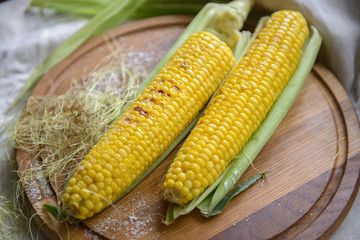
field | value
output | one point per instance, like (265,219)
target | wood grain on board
(313,159)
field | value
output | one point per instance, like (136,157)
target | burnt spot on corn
(184,65)
(161,92)
(144,113)
(176,88)
(160,81)
(138,108)
(141,111)
(153,100)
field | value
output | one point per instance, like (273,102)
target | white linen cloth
(26,38)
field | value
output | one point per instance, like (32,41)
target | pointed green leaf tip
(240,188)
(54,211)
(59,214)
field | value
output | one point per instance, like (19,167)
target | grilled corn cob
(149,125)
(239,107)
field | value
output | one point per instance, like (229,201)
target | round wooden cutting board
(313,159)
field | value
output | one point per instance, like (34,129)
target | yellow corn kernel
(150,124)
(240,106)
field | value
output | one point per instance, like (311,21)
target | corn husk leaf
(242,161)
(237,190)
(58,214)
(88,9)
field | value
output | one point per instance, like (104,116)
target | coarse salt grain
(134,224)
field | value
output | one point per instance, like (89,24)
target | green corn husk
(88,8)
(237,190)
(210,198)
(204,20)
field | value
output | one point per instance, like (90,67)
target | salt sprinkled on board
(148,56)
(38,189)
(134,219)
(144,59)
(90,234)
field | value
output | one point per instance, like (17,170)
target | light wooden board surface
(313,157)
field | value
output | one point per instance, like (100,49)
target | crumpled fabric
(27,37)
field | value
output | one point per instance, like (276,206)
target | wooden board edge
(347,175)
(344,102)
(351,175)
